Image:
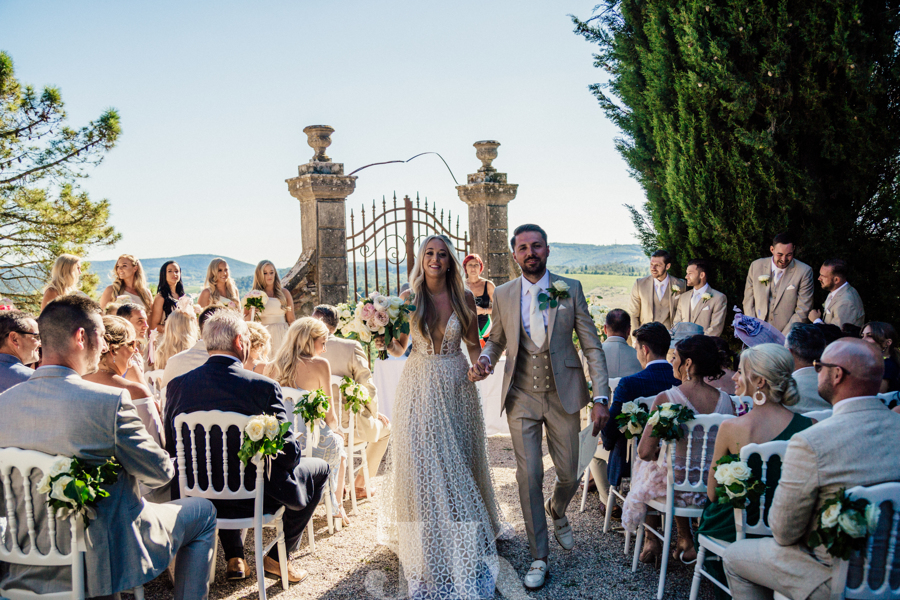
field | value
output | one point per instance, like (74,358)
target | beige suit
(348,359)
(545,387)
(781,305)
(845,306)
(856,446)
(708,314)
(646,307)
(808,384)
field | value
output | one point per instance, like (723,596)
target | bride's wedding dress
(438,510)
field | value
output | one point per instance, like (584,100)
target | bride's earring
(759,398)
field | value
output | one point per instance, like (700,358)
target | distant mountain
(578,255)
(193,269)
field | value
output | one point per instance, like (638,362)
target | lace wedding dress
(438,510)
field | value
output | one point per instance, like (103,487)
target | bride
(438,512)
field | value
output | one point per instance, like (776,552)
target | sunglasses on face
(819,365)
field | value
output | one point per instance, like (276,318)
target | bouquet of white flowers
(378,314)
(75,487)
(312,406)
(355,396)
(255,301)
(666,421)
(263,436)
(736,482)
(632,419)
(843,524)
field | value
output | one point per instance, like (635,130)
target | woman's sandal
(650,554)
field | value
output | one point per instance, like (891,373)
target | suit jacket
(570,315)
(846,307)
(792,298)
(647,383)
(184,361)
(12,371)
(856,446)
(708,314)
(348,359)
(641,305)
(808,383)
(621,359)
(222,383)
(59,413)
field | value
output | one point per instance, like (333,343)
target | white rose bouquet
(355,396)
(255,302)
(666,421)
(75,487)
(312,406)
(632,419)
(842,525)
(263,437)
(737,484)
(378,314)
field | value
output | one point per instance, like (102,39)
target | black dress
(483,301)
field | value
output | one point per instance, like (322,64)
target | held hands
(599,416)
(481,369)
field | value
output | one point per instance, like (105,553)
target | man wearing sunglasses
(19,344)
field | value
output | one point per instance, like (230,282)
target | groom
(543,385)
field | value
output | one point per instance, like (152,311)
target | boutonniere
(676,289)
(764,279)
(706,296)
(559,290)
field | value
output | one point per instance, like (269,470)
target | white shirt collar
(543,283)
(659,361)
(701,291)
(777,269)
(833,292)
(846,401)
(662,283)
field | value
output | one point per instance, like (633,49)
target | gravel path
(349,565)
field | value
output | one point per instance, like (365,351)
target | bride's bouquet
(75,487)
(255,301)
(632,419)
(736,483)
(186,304)
(378,314)
(346,313)
(843,523)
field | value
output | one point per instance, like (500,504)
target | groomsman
(654,298)
(704,305)
(779,289)
(843,304)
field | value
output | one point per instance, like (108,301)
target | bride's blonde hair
(259,282)
(62,277)
(212,278)
(426,313)
(140,281)
(300,340)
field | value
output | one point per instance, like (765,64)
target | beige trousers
(757,567)
(377,437)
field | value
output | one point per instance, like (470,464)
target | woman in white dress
(220,288)
(130,281)
(64,278)
(279,313)
(438,510)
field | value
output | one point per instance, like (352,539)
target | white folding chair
(745,401)
(613,384)
(354,448)
(25,462)
(593,468)
(890,399)
(707,544)
(667,508)
(208,420)
(818,415)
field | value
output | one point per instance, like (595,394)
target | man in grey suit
(19,345)
(544,385)
(130,541)
(806,343)
(843,304)
(621,359)
(856,446)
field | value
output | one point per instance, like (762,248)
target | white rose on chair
(634,428)
(725,474)
(853,523)
(830,515)
(256,428)
(666,410)
(272,426)
(58,490)
(630,408)
(843,524)
(653,420)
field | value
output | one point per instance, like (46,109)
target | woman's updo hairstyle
(775,364)
(118,332)
(705,356)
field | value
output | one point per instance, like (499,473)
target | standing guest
(219,288)
(188,360)
(652,341)
(655,297)
(843,304)
(279,313)
(348,359)
(482,289)
(779,289)
(621,359)
(884,336)
(806,343)
(726,381)
(130,280)
(169,290)
(295,483)
(20,343)
(704,305)
(181,333)
(857,445)
(260,343)
(65,278)
(130,542)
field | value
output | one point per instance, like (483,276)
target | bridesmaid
(64,278)
(169,290)
(130,281)
(220,287)
(279,313)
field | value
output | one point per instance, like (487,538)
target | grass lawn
(590,282)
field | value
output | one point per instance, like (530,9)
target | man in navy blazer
(223,384)
(652,342)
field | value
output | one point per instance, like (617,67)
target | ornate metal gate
(389,239)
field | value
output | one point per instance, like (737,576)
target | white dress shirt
(777,272)
(697,294)
(661,287)
(544,284)
(829,299)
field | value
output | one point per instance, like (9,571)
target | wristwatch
(602,400)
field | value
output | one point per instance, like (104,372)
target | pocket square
(561,307)
(705,308)
(791,287)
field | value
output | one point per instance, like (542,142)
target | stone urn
(319,138)
(486,151)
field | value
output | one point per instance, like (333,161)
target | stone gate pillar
(487,195)
(320,275)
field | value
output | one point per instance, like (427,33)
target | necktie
(660,291)
(695,299)
(536,322)
(828,300)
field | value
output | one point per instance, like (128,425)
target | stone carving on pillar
(320,274)
(487,193)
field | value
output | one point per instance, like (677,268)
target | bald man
(856,446)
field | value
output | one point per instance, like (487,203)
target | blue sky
(214,97)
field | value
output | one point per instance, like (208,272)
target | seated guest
(652,341)
(348,359)
(856,446)
(764,375)
(180,334)
(20,343)
(260,341)
(222,383)
(806,344)
(130,542)
(621,359)
(298,364)
(884,336)
(726,381)
(188,360)
(696,358)
(137,316)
